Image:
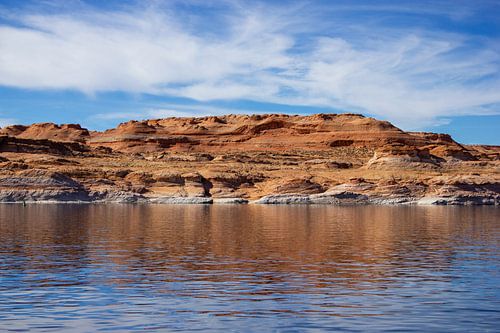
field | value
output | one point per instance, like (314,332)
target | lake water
(85,268)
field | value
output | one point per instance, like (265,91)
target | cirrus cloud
(294,54)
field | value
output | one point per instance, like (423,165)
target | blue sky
(423,65)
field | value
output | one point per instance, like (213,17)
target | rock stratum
(268,159)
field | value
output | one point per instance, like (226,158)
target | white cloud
(7,121)
(259,53)
(117,116)
(147,114)
(165,113)
(172,110)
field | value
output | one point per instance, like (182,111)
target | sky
(423,65)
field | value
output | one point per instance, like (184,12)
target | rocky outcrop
(274,132)
(40,185)
(267,159)
(461,200)
(401,156)
(181,200)
(43,146)
(48,131)
(230,201)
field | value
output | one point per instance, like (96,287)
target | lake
(86,268)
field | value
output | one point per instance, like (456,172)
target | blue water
(87,268)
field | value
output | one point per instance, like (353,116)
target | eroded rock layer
(325,158)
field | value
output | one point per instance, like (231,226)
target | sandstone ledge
(331,159)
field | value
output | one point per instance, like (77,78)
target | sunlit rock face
(325,158)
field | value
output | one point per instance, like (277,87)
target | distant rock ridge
(48,131)
(242,132)
(270,158)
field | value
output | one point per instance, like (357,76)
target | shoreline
(280,199)
(336,159)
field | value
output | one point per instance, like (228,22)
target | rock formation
(325,158)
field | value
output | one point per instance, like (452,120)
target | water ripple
(249,268)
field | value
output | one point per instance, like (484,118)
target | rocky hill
(325,158)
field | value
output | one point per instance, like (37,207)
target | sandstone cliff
(325,158)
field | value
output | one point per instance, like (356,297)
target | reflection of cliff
(301,245)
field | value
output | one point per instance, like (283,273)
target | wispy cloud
(7,121)
(173,110)
(300,54)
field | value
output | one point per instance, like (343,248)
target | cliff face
(262,133)
(326,158)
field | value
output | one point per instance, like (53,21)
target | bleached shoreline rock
(180,200)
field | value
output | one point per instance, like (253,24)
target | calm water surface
(85,268)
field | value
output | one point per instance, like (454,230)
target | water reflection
(128,267)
